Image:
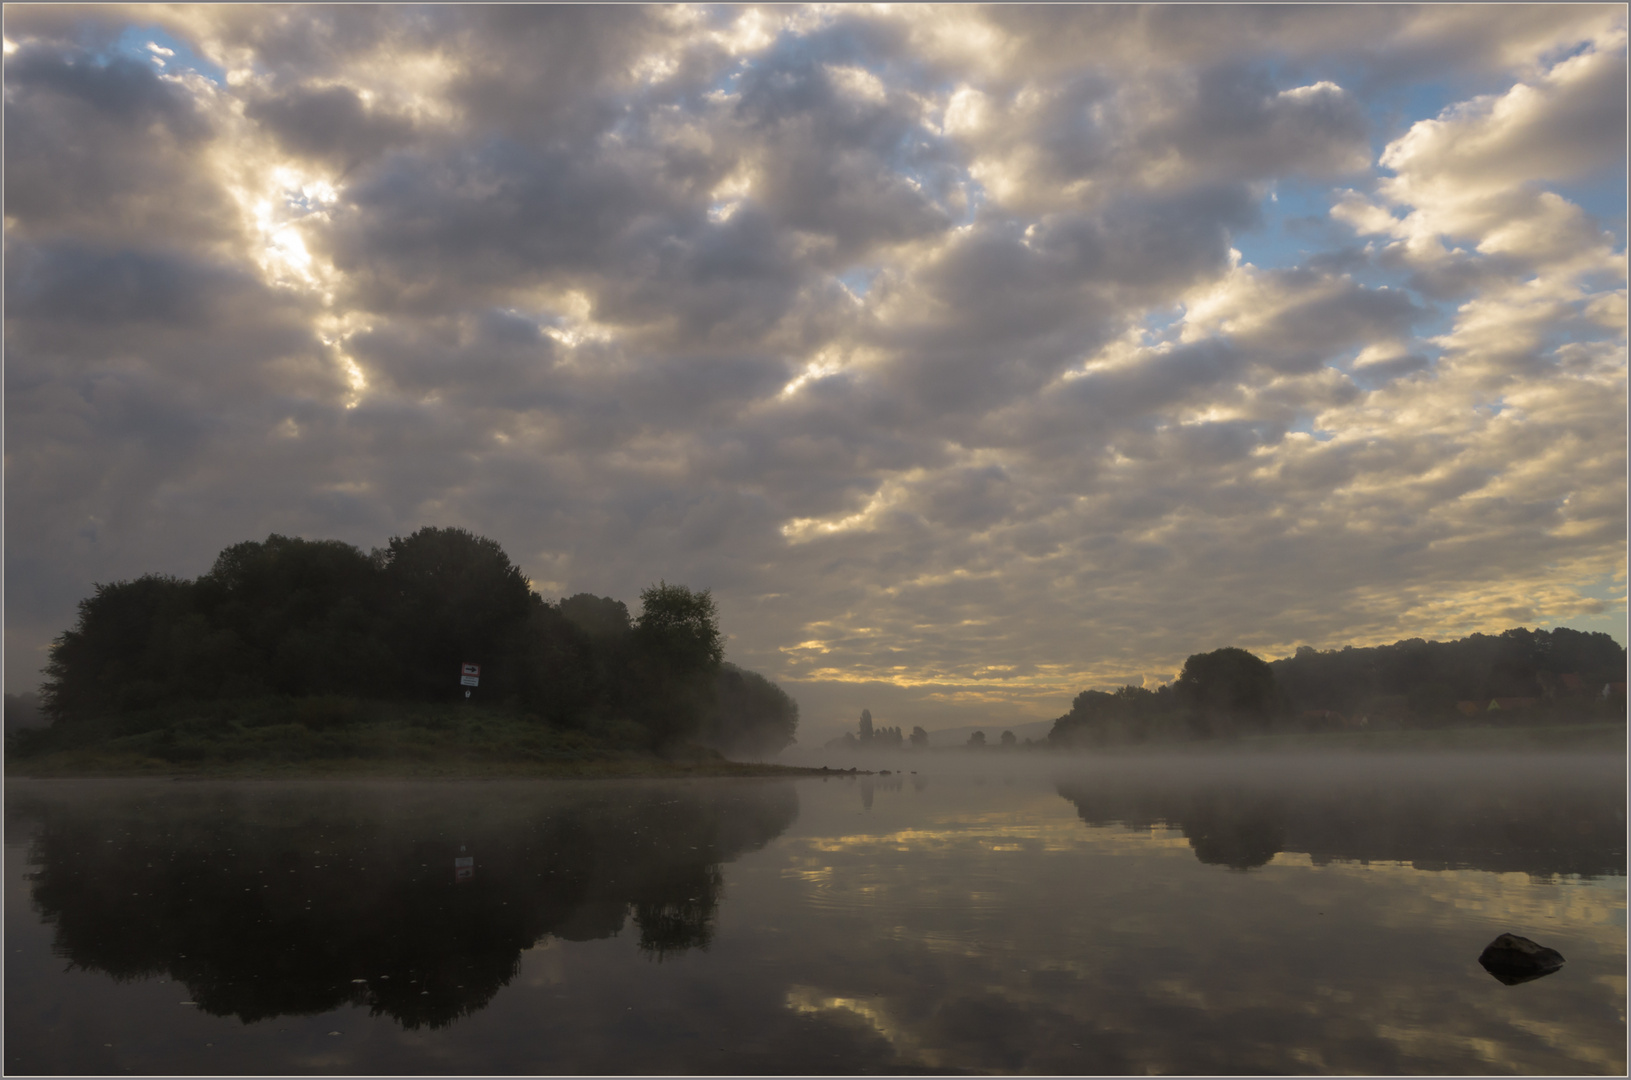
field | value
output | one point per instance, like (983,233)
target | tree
(920,738)
(677,651)
(1131,714)
(135,644)
(751,714)
(1226,687)
(682,624)
(308,613)
(1008,739)
(605,626)
(555,666)
(601,618)
(977,740)
(452,597)
(866,725)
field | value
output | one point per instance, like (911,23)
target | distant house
(1572,682)
(1469,708)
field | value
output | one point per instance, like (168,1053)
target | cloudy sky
(971,356)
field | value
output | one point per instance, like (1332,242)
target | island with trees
(434,656)
(431,656)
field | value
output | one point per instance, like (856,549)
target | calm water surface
(1217,915)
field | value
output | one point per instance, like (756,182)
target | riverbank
(1596,737)
(340,738)
(1587,737)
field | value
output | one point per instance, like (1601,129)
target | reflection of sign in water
(470,675)
(653,854)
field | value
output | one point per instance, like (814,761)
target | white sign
(470,669)
(470,675)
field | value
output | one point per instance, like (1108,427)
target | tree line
(298,618)
(1519,675)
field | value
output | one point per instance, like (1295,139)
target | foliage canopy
(296,618)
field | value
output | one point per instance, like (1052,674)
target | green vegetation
(294,654)
(1402,694)
(339,736)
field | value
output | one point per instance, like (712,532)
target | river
(1176,914)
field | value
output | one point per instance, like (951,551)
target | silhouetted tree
(1131,714)
(920,737)
(677,651)
(1008,739)
(308,614)
(135,643)
(453,597)
(257,920)
(1420,682)
(977,740)
(751,714)
(1225,688)
(557,669)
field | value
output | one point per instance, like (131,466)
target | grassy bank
(338,737)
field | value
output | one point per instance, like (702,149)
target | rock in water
(1514,959)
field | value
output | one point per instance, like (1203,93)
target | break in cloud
(972,356)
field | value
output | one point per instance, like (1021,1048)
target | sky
(970,356)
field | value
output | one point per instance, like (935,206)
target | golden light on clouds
(1049,364)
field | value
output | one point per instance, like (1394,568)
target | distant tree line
(867,737)
(300,618)
(1520,676)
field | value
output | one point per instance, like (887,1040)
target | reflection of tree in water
(1545,821)
(300,901)
(1236,832)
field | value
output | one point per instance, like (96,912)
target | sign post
(469,675)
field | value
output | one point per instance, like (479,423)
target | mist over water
(1205,913)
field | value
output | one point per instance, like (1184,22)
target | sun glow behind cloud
(935,321)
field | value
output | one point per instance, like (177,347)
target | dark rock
(1514,959)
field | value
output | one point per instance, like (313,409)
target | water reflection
(415,901)
(1542,817)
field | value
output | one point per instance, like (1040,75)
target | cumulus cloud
(923,337)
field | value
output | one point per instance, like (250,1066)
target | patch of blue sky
(1296,224)
(728,80)
(1394,112)
(1438,320)
(1603,197)
(859,280)
(1162,324)
(1304,424)
(136,44)
(1610,621)
(1297,231)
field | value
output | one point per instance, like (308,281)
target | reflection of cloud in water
(1114,949)
(1074,949)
